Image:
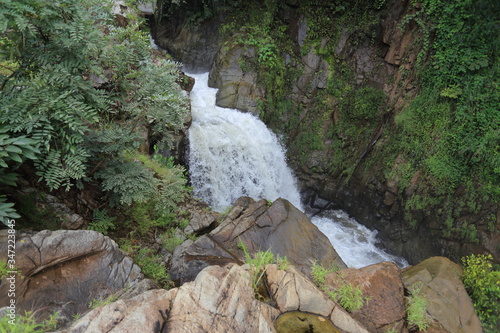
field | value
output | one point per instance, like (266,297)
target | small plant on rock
(348,296)
(318,273)
(416,312)
(257,264)
(28,324)
(282,262)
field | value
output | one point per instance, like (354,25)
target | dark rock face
(238,88)
(386,61)
(64,270)
(280,228)
(194,45)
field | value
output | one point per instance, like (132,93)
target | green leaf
(14,149)
(15,157)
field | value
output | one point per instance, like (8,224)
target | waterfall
(234,154)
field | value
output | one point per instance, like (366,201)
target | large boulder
(237,84)
(448,304)
(64,270)
(383,290)
(221,299)
(280,228)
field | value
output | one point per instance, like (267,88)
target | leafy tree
(75,87)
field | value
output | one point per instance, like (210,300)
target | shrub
(152,266)
(483,285)
(102,222)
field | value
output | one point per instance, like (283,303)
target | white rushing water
(234,154)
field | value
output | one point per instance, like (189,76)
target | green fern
(128,181)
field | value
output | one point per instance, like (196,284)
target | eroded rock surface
(383,290)
(221,299)
(64,270)
(439,281)
(280,228)
(237,84)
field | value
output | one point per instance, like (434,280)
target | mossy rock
(302,322)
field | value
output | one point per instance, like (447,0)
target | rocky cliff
(336,98)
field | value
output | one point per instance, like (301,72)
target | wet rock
(439,281)
(237,84)
(280,228)
(301,322)
(64,270)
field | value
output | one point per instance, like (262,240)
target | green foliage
(28,324)
(258,263)
(36,213)
(75,90)
(52,43)
(102,222)
(416,309)
(172,183)
(147,217)
(282,262)
(14,150)
(153,267)
(452,126)
(318,273)
(162,110)
(128,181)
(3,268)
(169,240)
(7,211)
(483,285)
(348,296)
(97,302)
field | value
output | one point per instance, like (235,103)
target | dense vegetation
(83,100)
(76,91)
(447,135)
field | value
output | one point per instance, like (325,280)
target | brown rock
(280,228)
(146,312)
(439,280)
(219,300)
(64,270)
(383,289)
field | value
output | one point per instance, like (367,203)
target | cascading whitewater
(234,154)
